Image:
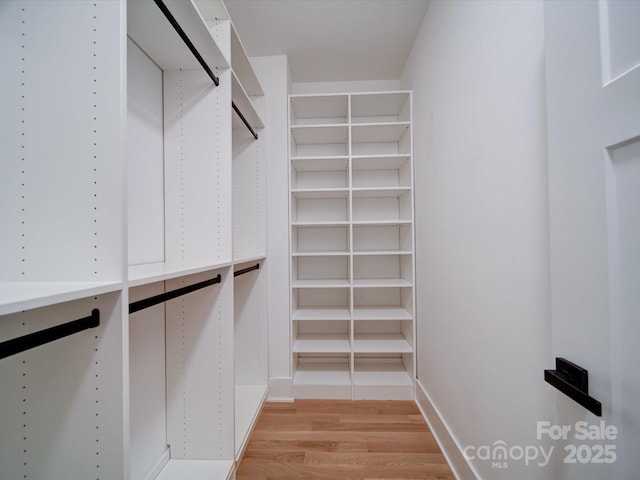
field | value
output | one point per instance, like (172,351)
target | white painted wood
(318,109)
(200,379)
(18,296)
(63,399)
(325,313)
(147,395)
(145,158)
(251,356)
(242,100)
(155,272)
(197,163)
(373,257)
(249,400)
(66,157)
(593,110)
(177,469)
(321,343)
(151,31)
(241,65)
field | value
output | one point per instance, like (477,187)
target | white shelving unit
(61,240)
(352,262)
(93,221)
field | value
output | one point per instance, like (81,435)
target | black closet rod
(174,23)
(48,335)
(244,120)
(246,270)
(163,297)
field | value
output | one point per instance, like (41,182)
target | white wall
(274,76)
(482,225)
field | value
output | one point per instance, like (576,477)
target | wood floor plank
(342,440)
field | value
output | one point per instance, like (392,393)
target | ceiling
(331,40)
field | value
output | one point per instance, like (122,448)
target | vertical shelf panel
(199,378)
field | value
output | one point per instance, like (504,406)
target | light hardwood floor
(329,439)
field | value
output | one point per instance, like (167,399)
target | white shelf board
(382,252)
(320,164)
(387,374)
(380,282)
(332,283)
(377,104)
(253,259)
(245,105)
(310,193)
(320,134)
(19,296)
(322,343)
(376,223)
(329,223)
(177,469)
(322,374)
(379,162)
(381,313)
(248,404)
(378,132)
(377,192)
(319,313)
(157,272)
(319,106)
(242,67)
(152,32)
(380,343)
(324,253)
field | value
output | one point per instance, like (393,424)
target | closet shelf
(387,374)
(381,282)
(351,161)
(322,343)
(177,469)
(333,283)
(321,193)
(320,134)
(381,313)
(364,106)
(328,223)
(321,373)
(253,259)
(380,343)
(326,313)
(373,223)
(18,296)
(320,164)
(248,404)
(378,132)
(152,32)
(379,162)
(318,109)
(157,272)
(382,252)
(245,105)
(323,253)
(380,192)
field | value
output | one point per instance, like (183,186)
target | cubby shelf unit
(129,178)
(352,260)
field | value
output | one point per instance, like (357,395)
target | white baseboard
(447,443)
(280,389)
